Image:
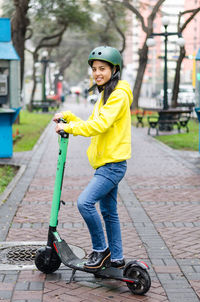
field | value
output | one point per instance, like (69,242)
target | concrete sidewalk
(159,206)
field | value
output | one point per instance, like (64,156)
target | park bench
(139,116)
(153,123)
(183,122)
(186,105)
(45,105)
(167,124)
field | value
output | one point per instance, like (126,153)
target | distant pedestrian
(85,95)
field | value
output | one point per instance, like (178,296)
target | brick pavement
(158,208)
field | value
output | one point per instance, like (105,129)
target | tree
(19,25)
(58,15)
(65,28)
(181,28)
(51,21)
(143,51)
(116,16)
(72,52)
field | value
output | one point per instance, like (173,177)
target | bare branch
(151,17)
(122,35)
(193,11)
(30,33)
(136,12)
(154,12)
(112,16)
(66,62)
(43,42)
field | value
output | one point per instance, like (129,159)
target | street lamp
(151,42)
(45,62)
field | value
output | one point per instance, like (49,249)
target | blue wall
(5,30)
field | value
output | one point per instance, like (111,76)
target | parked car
(160,97)
(186,94)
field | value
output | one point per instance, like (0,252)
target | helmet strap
(92,87)
(100,88)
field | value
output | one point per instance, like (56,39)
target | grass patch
(183,141)
(180,141)
(6,175)
(29,130)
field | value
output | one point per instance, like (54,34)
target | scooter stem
(59,180)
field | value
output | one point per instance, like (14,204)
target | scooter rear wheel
(54,262)
(143,280)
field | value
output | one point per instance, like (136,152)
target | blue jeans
(103,189)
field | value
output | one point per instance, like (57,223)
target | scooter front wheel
(143,280)
(40,259)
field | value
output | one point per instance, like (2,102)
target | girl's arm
(100,124)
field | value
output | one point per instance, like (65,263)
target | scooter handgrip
(63,134)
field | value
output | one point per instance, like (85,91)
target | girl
(109,127)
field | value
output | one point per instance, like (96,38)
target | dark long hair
(111,84)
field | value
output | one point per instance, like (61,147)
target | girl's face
(101,72)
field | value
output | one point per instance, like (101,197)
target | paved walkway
(159,206)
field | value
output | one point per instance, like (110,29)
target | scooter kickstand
(72,276)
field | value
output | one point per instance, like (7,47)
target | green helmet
(107,54)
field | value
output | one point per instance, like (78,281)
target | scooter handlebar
(62,133)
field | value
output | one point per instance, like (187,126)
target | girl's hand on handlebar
(57,116)
(59,127)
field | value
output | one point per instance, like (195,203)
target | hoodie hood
(124,85)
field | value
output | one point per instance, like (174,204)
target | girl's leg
(96,190)
(108,207)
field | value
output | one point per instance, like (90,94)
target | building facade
(153,78)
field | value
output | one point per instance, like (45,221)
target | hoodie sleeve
(107,115)
(71,117)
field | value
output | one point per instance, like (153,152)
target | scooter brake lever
(61,120)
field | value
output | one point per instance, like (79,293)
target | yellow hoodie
(109,127)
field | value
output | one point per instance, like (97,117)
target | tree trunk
(180,29)
(19,24)
(177,77)
(143,52)
(30,106)
(143,58)
(35,59)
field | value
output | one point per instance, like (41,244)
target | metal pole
(44,81)
(165,84)
(199,137)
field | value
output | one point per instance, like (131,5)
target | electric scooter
(49,258)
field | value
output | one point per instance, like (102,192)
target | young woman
(109,127)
